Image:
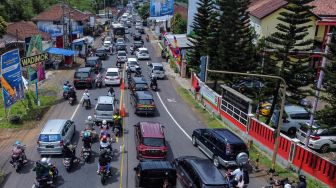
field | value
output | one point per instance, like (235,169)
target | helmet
(89,118)
(66,82)
(302,178)
(104,122)
(86,90)
(116,111)
(17,142)
(86,134)
(44,160)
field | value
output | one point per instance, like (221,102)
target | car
(121,56)
(156,70)
(112,77)
(108,46)
(142,54)
(294,116)
(127,31)
(54,134)
(143,102)
(137,44)
(221,145)
(137,36)
(197,172)
(140,29)
(137,84)
(120,41)
(248,86)
(94,62)
(132,64)
(104,109)
(84,76)
(150,140)
(101,53)
(128,24)
(153,173)
(121,47)
(108,39)
(321,138)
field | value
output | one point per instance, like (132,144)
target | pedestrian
(197,90)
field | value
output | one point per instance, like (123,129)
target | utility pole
(318,89)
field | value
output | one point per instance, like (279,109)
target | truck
(118,31)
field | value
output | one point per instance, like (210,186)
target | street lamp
(280,121)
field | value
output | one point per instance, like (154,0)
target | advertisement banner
(209,94)
(34,51)
(11,78)
(160,8)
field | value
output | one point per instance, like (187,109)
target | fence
(301,158)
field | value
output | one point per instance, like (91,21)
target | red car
(150,141)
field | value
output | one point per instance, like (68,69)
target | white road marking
(171,100)
(178,125)
(73,115)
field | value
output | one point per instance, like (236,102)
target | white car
(112,77)
(107,45)
(142,53)
(132,64)
(156,70)
(122,56)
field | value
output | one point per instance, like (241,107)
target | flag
(175,41)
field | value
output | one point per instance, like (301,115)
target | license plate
(49,146)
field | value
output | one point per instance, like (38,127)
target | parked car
(221,145)
(94,62)
(104,109)
(137,36)
(150,140)
(101,53)
(248,86)
(137,84)
(137,44)
(112,77)
(84,76)
(322,139)
(143,102)
(156,70)
(153,174)
(121,57)
(195,172)
(265,108)
(132,64)
(54,134)
(294,116)
(142,54)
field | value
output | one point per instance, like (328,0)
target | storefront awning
(60,51)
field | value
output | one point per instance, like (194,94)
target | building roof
(56,12)
(324,7)
(263,8)
(24,29)
(182,40)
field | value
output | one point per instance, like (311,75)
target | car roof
(157,64)
(295,108)
(122,51)
(100,48)
(149,165)
(132,59)
(145,95)
(84,69)
(93,58)
(151,129)
(228,136)
(105,100)
(53,126)
(209,174)
(139,80)
(107,41)
(142,48)
(113,69)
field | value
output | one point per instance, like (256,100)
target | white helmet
(44,160)
(89,118)
(104,122)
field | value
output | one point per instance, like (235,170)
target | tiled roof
(24,29)
(55,13)
(324,7)
(263,8)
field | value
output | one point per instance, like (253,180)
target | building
(192,10)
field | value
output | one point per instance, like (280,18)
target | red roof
(56,12)
(324,7)
(182,10)
(24,29)
(263,8)
(151,129)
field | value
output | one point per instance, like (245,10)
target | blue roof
(60,51)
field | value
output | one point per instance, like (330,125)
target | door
(205,143)
(183,170)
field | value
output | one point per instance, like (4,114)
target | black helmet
(302,178)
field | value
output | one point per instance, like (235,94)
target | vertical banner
(160,8)
(11,78)
(35,48)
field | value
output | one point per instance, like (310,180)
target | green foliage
(144,11)
(178,24)
(3,27)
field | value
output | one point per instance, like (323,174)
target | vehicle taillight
(314,137)
(61,143)
(89,79)
(228,149)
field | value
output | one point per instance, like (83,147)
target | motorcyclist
(86,97)
(89,123)
(302,183)
(117,120)
(104,125)
(72,93)
(153,82)
(105,143)
(99,78)
(66,87)
(18,149)
(132,49)
(238,176)
(69,151)
(45,169)
(111,92)
(104,160)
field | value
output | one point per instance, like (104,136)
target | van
(294,116)
(55,133)
(156,70)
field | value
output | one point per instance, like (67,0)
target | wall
(256,24)
(320,33)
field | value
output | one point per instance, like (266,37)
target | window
(140,86)
(121,54)
(154,142)
(158,68)
(300,116)
(91,62)
(49,137)
(104,107)
(112,74)
(81,74)
(146,101)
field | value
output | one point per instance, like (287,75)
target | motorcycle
(67,164)
(44,181)
(99,83)
(86,104)
(65,95)
(86,154)
(72,101)
(103,174)
(153,86)
(17,162)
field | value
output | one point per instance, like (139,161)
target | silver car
(104,109)
(122,56)
(55,133)
(156,70)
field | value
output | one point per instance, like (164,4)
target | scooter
(72,101)
(67,164)
(99,83)
(65,95)
(86,104)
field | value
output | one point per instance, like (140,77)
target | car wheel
(216,161)
(194,142)
(292,131)
(325,148)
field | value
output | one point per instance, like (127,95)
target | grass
(264,161)
(2,176)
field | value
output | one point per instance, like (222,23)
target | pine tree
(200,30)
(235,47)
(287,43)
(327,116)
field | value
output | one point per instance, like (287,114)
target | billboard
(11,78)
(36,56)
(160,8)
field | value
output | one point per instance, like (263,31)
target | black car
(222,146)
(137,44)
(248,86)
(101,53)
(94,62)
(195,172)
(143,102)
(121,47)
(137,36)
(84,77)
(154,173)
(137,84)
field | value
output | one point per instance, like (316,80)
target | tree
(144,11)
(3,27)
(235,48)
(288,47)
(200,32)
(38,6)
(327,116)
(178,24)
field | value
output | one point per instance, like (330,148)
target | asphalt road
(172,112)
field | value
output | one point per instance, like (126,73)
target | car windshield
(141,86)
(100,50)
(146,101)
(154,142)
(112,74)
(120,40)
(121,54)
(49,137)
(158,68)
(81,75)
(132,63)
(143,51)
(91,62)
(104,107)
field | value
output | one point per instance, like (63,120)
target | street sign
(202,66)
